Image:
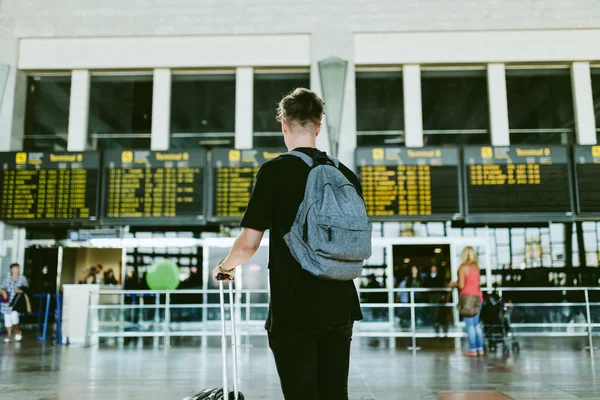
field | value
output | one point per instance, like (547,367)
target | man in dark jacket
(440,313)
(310,320)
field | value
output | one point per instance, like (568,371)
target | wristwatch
(223,270)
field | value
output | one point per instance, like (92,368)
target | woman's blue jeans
(474,333)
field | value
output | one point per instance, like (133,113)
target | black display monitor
(232,178)
(410,184)
(587,180)
(158,188)
(61,187)
(517,184)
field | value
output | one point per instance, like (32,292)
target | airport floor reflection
(544,369)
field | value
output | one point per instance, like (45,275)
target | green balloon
(164,275)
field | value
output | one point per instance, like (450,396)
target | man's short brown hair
(302,106)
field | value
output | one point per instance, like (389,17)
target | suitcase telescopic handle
(221,278)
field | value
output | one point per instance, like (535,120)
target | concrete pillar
(327,44)
(244,108)
(413,113)
(12,106)
(583,103)
(79,108)
(161,109)
(498,105)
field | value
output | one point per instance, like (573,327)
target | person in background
(90,277)
(99,273)
(468,284)
(375,297)
(415,281)
(403,313)
(436,281)
(13,285)
(109,278)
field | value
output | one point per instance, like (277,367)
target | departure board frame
(150,161)
(433,203)
(527,162)
(249,162)
(586,170)
(59,210)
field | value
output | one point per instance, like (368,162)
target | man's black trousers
(313,363)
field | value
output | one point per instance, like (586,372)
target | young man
(310,320)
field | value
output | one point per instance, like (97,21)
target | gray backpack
(331,235)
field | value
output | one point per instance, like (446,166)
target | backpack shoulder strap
(309,160)
(304,157)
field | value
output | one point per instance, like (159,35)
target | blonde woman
(470,299)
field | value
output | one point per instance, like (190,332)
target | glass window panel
(503,256)
(47,109)
(186,141)
(119,143)
(378,138)
(558,254)
(540,106)
(589,238)
(468,232)
(269,139)
(45,144)
(502,235)
(120,105)
(379,108)
(557,232)
(455,107)
(203,104)
(454,100)
(454,232)
(596,97)
(451,139)
(379,101)
(435,228)
(269,89)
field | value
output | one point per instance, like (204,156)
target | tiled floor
(545,371)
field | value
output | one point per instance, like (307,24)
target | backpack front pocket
(342,238)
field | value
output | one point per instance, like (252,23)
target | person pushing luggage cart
(316,248)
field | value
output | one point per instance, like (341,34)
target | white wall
(60,18)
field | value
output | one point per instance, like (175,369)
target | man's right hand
(217,271)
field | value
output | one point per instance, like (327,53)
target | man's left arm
(244,247)
(255,222)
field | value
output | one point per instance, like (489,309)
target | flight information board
(50,187)
(402,183)
(144,187)
(587,174)
(517,184)
(233,174)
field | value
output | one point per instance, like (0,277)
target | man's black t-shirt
(297,298)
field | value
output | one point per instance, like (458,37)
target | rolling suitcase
(218,393)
